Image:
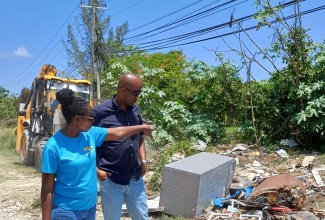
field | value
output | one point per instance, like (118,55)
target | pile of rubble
(272,186)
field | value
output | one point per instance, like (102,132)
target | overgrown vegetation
(8,105)
(7,149)
(7,136)
(291,103)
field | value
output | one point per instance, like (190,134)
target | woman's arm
(47,195)
(125,131)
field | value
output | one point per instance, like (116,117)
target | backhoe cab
(40,116)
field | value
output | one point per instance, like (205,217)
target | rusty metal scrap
(283,189)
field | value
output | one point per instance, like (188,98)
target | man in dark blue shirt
(122,163)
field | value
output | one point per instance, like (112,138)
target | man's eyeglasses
(87,117)
(134,93)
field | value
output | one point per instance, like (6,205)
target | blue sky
(31,31)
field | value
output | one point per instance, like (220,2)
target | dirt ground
(20,192)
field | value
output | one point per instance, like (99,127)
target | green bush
(8,105)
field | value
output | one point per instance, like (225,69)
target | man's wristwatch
(144,161)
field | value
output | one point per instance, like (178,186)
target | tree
(297,89)
(23,95)
(170,97)
(108,43)
(8,107)
(218,91)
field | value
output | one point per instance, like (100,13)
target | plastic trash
(219,202)
(282,153)
(200,146)
(248,191)
(289,142)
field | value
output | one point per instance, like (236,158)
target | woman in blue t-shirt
(69,181)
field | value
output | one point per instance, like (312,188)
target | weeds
(166,217)
(7,149)
(232,135)
(162,158)
(7,137)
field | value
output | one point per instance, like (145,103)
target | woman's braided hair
(71,105)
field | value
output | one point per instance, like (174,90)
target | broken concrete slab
(317,177)
(307,161)
(153,206)
(320,206)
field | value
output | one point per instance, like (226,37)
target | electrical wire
(18,77)
(173,41)
(199,32)
(72,68)
(127,8)
(167,44)
(233,32)
(165,16)
(32,71)
(284,5)
(182,19)
(188,21)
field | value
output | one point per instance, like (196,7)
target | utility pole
(93,40)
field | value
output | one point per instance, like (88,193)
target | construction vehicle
(40,116)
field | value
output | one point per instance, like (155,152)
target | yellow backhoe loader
(40,116)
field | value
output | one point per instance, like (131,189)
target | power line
(46,45)
(165,16)
(173,41)
(188,20)
(32,71)
(184,18)
(169,44)
(128,7)
(233,32)
(202,31)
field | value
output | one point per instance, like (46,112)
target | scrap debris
(282,189)
(282,186)
(317,176)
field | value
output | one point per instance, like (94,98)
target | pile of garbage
(273,185)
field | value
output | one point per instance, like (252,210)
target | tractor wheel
(26,153)
(38,155)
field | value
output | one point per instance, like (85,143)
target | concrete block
(189,185)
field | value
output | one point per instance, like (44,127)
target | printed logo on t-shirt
(89,149)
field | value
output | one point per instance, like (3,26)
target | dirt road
(20,191)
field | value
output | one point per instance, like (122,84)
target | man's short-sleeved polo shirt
(119,158)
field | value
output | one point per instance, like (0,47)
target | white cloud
(21,52)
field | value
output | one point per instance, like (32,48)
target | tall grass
(8,138)
(7,151)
